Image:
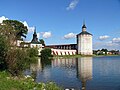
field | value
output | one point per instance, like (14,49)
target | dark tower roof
(84,26)
(84,31)
(34,39)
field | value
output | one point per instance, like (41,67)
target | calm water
(86,73)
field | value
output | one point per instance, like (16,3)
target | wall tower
(84,42)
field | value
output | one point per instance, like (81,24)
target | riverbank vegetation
(14,60)
(23,83)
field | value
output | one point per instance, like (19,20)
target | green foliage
(32,52)
(9,83)
(18,27)
(42,42)
(16,61)
(104,50)
(3,52)
(46,53)
(20,59)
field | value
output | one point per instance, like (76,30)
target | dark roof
(62,45)
(84,26)
(84,32)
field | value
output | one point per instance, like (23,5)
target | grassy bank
(23,83)
(78,56)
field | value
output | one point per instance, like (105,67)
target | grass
(14,83)
(71,56)
(78,56)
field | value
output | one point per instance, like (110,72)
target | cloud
(72,5)
(30,29)
(104,37)
(108,45)
(69,36)
(38,35)
(46,34)
(3,18)
(116,40)
(113,44)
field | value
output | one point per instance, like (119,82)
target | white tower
(84,42)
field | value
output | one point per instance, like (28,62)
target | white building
(84,42)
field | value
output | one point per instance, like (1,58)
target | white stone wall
(85,44)
(39,46)
(63,52)
(35,45)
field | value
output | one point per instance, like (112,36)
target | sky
(59,21)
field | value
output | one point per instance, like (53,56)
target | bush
(17,61)
(9,83)
(3,52)
(46,53)
(20,59)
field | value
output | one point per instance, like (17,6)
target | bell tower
(84,42)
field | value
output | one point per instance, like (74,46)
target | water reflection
(84,70)
(60,62)
(37,66)
(86,73)
(66,69)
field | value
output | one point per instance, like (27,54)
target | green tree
(104,50)
(18,27)
(32,53)
(42,42)
(7,31)
(46,53)
(20,59)
(3,52)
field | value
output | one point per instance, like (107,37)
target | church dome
(84,26)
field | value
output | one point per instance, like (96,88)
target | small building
(84,42)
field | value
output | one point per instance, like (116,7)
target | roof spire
(83,21)
(34,30)
(84,27)
(84,24)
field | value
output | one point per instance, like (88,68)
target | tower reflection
(84,70)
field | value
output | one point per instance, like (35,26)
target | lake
(85,73)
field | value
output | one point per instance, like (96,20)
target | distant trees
(105,52)
(42,42)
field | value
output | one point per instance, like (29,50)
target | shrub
(20,59)
(3,52)
(46,53)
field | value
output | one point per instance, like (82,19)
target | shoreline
(78,56)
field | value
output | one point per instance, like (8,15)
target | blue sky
(58,21)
